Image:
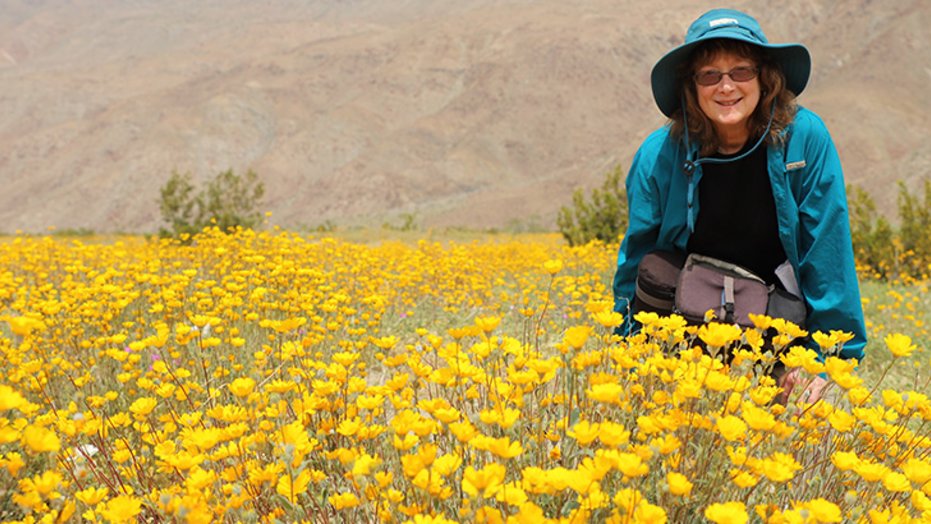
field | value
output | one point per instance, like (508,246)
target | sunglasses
(738,74)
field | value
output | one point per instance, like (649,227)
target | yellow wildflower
(678,483)
(242,387)
(821,510)
(349,427)
(483,482)
(858,395)
(24,325)
(896,482)
(141,407)
(12,462)
(647,512)
(920,501)
(631,465)
(38,439)
(757,418)
(727,513)
(609,393)
(845,460)
(871,471)
(613,434)
(553,266)
(899,345)
(290,487)
(504,448)
(841,421)
(364,464)
(779,467)
(743,478)
(511,494)
(585,432)
(10,398)
(503,417)
(719,335)
(122,508)
(447,464)
(608,318)
(345,500)
(917,471)
(731,428)
(198,479)
(576,336)
(487,323)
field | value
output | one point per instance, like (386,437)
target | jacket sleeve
(827,273)
(644,216)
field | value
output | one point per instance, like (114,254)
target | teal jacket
(811,204)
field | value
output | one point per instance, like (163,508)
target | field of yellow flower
(268,376)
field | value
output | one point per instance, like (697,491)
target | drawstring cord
(689,166)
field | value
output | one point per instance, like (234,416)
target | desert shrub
(914,228)
(601,217)
(885,251)
(871,233)
(228,201)
(408,222)
(327,226)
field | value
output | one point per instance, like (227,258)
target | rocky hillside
(471,112)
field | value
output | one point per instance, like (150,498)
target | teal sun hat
(794,59)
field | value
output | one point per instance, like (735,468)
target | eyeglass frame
(754,70)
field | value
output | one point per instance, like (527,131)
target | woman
(764,172)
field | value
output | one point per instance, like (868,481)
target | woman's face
(728,103)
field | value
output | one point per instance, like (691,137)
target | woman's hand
(813,387)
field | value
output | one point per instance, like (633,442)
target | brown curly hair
(772,90)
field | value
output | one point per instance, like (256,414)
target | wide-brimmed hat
(734,25)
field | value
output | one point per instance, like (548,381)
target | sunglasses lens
(742,74)
(708,78)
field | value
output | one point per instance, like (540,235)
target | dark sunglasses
(738,74)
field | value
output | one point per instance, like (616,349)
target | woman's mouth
(728,103)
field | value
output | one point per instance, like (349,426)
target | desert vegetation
(262,376)
(228,200)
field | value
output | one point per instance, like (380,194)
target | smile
(729,102)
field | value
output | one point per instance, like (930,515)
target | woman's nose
(726,84)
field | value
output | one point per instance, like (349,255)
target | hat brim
(793,58)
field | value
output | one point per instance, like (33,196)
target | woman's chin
(730,122)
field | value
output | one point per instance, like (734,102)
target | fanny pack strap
(728,299)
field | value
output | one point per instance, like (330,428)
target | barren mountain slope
(470,113)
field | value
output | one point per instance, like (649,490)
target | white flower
(87,450)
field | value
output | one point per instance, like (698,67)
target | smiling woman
(728,93)
(754,80)
(765,172)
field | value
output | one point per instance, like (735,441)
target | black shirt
(737,215)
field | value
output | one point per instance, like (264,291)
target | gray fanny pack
(670,283)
